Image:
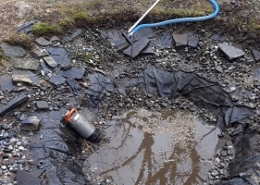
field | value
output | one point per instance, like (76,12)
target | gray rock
(135,49)
(230,51)
(30,123)
(25,178)
(256,55)
(39,53)
(12,51)
(27,63)
(219,69)
(57,79)
(218,37)
(27,77)
(181,40)
(74,73)
(6,83)
(193,41)
(42,105)
(42,41)
(54,39)
(20,99)
(50,61)
(76,33)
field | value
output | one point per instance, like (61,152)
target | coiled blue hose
(179,20)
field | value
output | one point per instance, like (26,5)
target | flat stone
(18,100)
(57,79)
(54,39)
(193,41)
(27,77)
(181,40)
(50,61)
(59,54)
(39,53)
(42,41)
(27,63)
(135,49)
(25,178)
(76,33)
(230,51)
(12,51)
(219,69)
(218,37)
(30,123)
(73,73)
(256,55)
(42,105)
(6,83)
(74,85)
(26,28)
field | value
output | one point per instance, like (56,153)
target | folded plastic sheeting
(163,83)
(245,168)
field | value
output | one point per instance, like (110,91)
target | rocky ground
(39,85)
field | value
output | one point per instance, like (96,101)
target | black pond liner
(163,83)
(204,94)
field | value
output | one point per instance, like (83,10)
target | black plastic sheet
(161,83)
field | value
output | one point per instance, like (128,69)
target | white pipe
(143,16)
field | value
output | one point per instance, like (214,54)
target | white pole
(143,16)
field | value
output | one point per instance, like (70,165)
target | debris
(135,49)
(42,105)
(163,42)
(82,125)
(20,99)
(30,123)
(6,83)
(42,41)
(57,79)
(73,72)
(256,55)
(231,52)
(180,40)
(28,63)
(12,51)
(25,178)
(50,61)
(25,77)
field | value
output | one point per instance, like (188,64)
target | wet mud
(143,147)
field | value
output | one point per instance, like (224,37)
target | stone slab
(181,40)
(57,80)
(25,178)
(42,41)
(39,53)
(27,77)
(27,63)
(18,100)
(42,105)
(50,61)
(12,51)
(230,51)
(193,41)
(6,83)
(73,73)
(135,49)
(256,55)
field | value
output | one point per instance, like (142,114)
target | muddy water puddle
(174,147)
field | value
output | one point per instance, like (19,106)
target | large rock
(27,63)
(6,83)
(12,51)
(181,40)
(25,178)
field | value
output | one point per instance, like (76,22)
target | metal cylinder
(79,123)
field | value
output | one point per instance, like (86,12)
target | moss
(41,29)
(66,23)
(2,57)
(82,18)
(20,39)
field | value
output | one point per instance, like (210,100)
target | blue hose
(179,20)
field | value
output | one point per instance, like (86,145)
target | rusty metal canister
(81,124)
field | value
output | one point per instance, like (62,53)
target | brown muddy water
(143,147)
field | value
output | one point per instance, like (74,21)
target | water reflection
(153,148)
